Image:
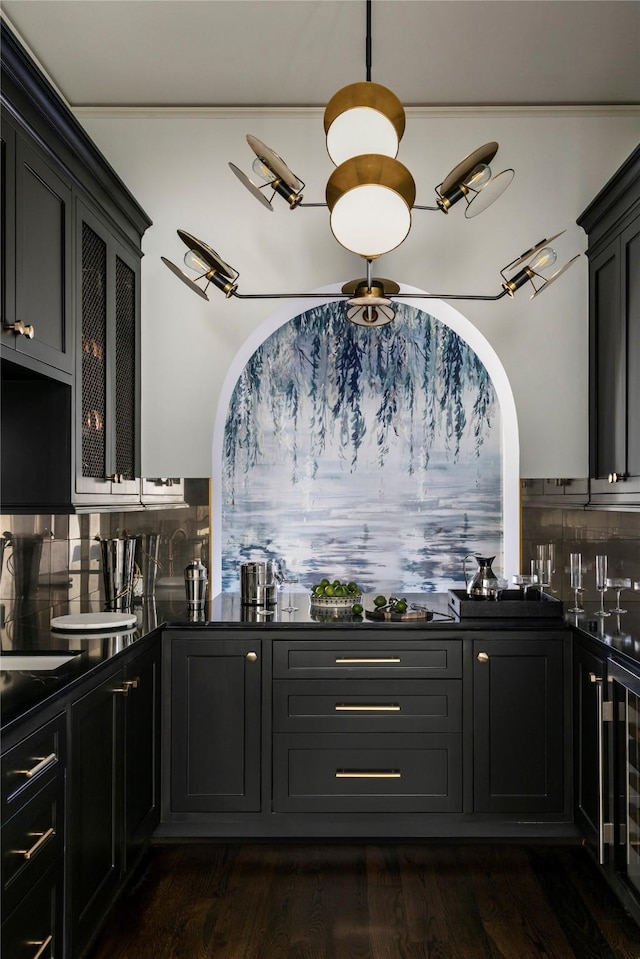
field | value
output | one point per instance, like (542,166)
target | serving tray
(513,604)
(86,622)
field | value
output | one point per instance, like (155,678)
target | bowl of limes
(335,594)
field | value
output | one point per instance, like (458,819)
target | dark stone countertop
(26,628)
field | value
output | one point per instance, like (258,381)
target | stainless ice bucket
(257,584)
(118,564)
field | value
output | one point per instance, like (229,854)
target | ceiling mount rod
(368,41)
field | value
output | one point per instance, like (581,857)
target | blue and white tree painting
(362,454)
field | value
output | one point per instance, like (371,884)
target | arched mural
(374,455)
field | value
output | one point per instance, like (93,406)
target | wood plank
(368,901)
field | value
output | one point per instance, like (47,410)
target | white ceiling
(299,52)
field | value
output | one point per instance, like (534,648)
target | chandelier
(370,196)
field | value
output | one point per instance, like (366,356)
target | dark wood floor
(426,901)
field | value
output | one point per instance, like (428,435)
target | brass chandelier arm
(435,209)
(391,296)
(324,205)
(289,296)
(452,296)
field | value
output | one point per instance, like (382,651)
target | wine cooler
(621,825)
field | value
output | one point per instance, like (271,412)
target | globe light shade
(363,118)
(370,199)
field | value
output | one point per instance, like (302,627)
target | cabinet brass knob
(22,330)
(483,657)
(252,657)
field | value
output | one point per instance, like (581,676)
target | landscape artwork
(367,455)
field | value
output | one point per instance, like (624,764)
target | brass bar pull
(376,708)
(600,721)
(483,657)
(133,683)
(39,766)
(42,838)
(252,657)
(367,659)
(127,686)
(368,774)
(43,946)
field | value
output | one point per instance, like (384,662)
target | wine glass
(618,583)
(541,569)
(287,577)
(575,573)
(601,583)
(523,581)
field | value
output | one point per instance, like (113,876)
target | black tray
(513,604)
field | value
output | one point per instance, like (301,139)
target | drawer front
(368,773)
(393,657)
(34,928)
(30,763)
(367,705)
(31,841)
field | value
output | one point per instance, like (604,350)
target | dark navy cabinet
(70,299)
(37,296)
(213,717)
(612,222)
(520,724)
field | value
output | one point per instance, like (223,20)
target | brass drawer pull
(354,708)
(42,838)
(39,766)
(127,686)
(43,946)
(365,659)
(368,774)
(252,657)
(483,657)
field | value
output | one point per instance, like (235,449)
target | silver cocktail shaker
(195,582)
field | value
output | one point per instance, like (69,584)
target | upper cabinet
(70,339)
(37,317)
(107,424)
(612,223)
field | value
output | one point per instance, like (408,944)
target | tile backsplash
(53,559)
(590,532)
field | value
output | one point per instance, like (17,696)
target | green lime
(400,607)
(329,590)
(339,590)
(324,582)
(319,591)
(353,587)
(357,609)
(380,601)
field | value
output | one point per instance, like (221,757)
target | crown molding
(313,113)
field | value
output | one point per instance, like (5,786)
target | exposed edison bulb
(543,259)
(478,178)
(262,170)
(195,262)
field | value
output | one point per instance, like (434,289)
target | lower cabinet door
(520,728)
(142,753)
(392,772)
(94,860)
(215,724)
(35,927)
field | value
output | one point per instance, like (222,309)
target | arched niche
(330,511)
